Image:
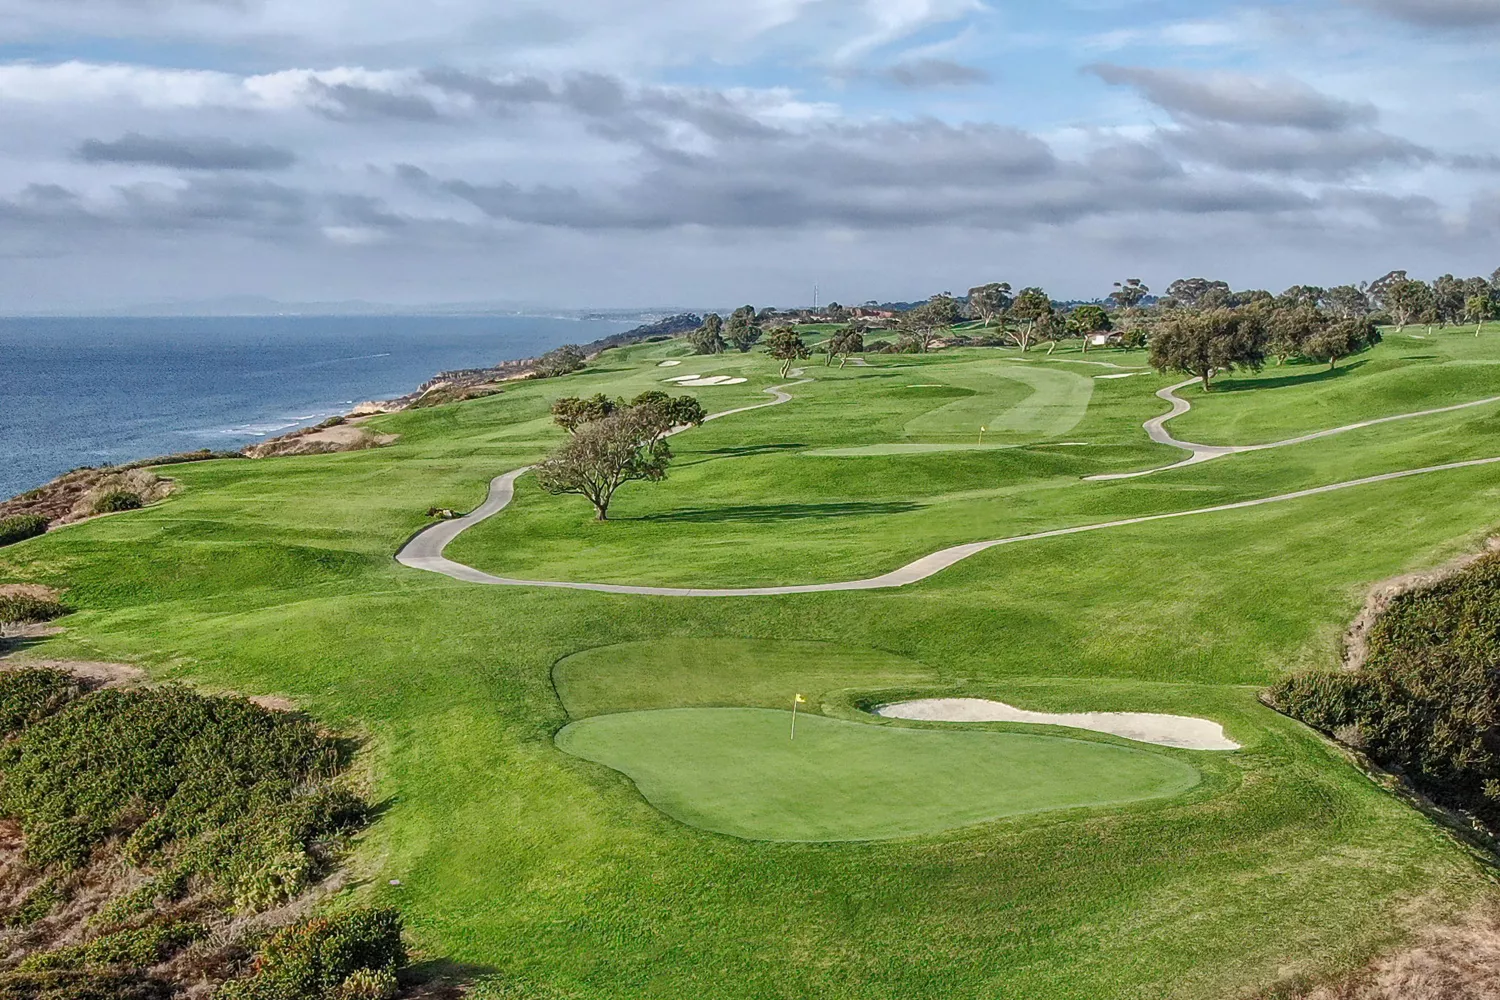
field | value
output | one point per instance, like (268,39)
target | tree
(1135,338)
(837,313)
(708,338)
(673,411)
(1480,309)
(930,320)
(605,454)
(1448,299)
(1031,305)
(989,302)
(849,340)
(570,412)
(1129,293)
(786,346)
(1341,339)
(1290,328)
(1406,300)
(1085,321)
(1189,293)
(1347,301)
(561,361)
(742,332)
(1303,295)
(1207,343)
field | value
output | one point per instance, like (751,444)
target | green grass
(702,673)
(738,771)
(277,577)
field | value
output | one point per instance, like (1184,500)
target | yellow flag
(801,700)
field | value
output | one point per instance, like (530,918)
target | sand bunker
(1122,375)
(669,364)
(712,380)
(1164,730)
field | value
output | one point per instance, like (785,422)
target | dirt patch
(321,441)
(274,703)
(1357,639)
(70,497)
(1445,963)
(32,590)
(93,674)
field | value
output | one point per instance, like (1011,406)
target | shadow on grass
(785,511)
(1323,374)
(753,449)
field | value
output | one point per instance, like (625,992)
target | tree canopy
(602,455)
(1208,343)
(786,345)
(743,332)
(708,338)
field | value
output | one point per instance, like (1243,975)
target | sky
(585,153)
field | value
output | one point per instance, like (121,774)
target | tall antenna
(815,298)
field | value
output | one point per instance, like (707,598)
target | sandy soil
(342,437)
(1164,730)
(94,674)
(669,364)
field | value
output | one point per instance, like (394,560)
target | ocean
(91,391)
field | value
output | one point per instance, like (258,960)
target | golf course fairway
(738,771)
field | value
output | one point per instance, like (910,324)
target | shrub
(347,956)
(565,359)
(1426,704)
(249,787)
(21,527)
(29,696)
(114,501)
(140,947)
(25,609)
(81,986)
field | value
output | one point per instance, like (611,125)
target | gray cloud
(876,176)
(1237,99)
(350,102)
(1438,13)
(923,74)
(186,153)
(1294,151)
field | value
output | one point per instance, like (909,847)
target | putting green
(703,673)
(1055,404)
(736,771)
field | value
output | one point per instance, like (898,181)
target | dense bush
(21,527)
(115,501)
(29,696)
(81,986)
(138,948)
(347,956)
(26,609)
(1426,703)
(219,787)
(565,359)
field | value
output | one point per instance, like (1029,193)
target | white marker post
(795,702)
(981,434)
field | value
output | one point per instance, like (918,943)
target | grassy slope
(276,577)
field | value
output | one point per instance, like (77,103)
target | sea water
(87,391)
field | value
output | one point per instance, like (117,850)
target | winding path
(425,550)
(1156,429)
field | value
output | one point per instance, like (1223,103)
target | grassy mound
(737,771)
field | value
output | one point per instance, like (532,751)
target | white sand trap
(713,380)
(1122,375)
(929,385)
(1180,731)
(669,364)
(681,378)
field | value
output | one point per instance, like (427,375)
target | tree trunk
(1208,374)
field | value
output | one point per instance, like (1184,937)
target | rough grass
(277,577)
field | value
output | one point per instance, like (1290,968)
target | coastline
(458,382)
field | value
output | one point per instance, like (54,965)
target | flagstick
(794,718)
(981,435)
